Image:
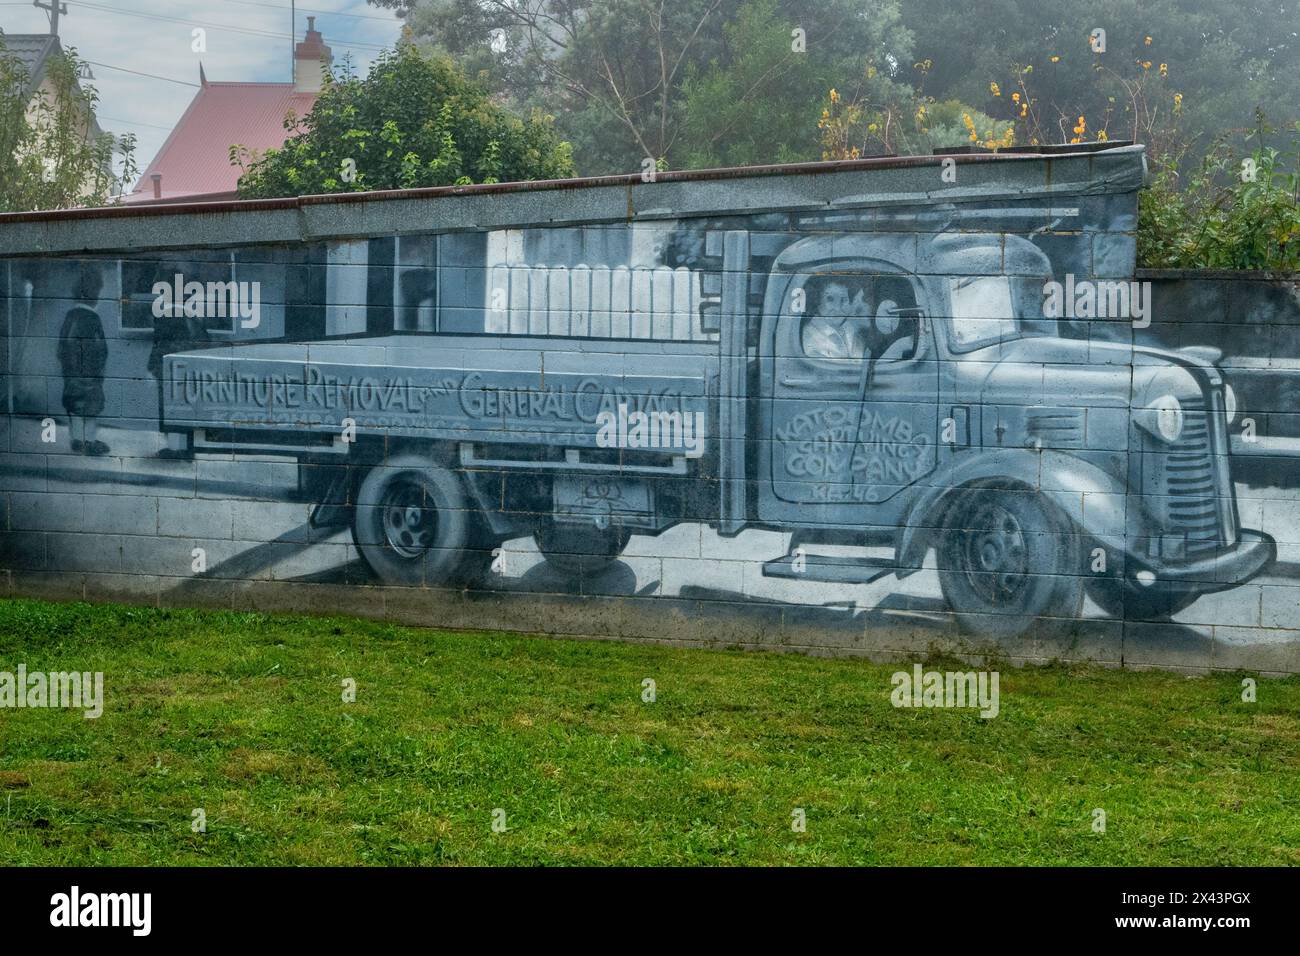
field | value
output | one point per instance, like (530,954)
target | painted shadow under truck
(1037,468)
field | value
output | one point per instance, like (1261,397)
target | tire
(580,550)
(411,522)
(1008,564)
(1125,600)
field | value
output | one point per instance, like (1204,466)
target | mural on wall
(940,413)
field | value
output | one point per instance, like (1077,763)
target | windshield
(984,312)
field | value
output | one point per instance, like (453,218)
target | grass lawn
(242,715)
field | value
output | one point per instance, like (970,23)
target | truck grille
(1192,502)
(1188,486)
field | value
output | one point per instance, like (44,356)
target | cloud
(247,40)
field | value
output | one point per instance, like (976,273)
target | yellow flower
(1101,135)
(995,89)
(835,97)
(1015,97)
(1024,110)
(1164,69)
(1147,41)
(968,122)
(1178,102)
(1056,59)
(1146,64)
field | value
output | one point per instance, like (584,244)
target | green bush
(1232,213)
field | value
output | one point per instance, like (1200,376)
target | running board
(821,567)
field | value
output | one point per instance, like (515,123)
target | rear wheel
(575,549)
(411,521)
(1007,564)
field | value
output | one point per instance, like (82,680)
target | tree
(755,104)
(413,121)
(1221,58)
(681,83)
(57,157)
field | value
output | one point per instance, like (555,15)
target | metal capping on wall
(779,188)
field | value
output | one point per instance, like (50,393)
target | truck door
(854,397)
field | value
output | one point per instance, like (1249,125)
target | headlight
(1169,417)
(1229,402)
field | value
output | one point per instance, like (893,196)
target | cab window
(855,316)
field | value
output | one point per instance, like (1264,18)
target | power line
(154,16)
(118,119)
(328,13)
(152,76)
(246,31)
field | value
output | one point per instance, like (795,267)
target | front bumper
(1224,569)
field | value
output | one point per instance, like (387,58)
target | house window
(138,277)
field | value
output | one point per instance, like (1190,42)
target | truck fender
(1092,500)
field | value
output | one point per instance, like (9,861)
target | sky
(247,40)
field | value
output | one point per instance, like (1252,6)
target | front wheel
(1007,564)
(580,550)
(411,521)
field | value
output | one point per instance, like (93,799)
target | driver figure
(836,330)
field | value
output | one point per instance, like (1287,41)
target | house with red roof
(194,165)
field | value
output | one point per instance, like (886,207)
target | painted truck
(876,374)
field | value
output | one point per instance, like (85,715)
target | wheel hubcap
(409,525)
(997,554)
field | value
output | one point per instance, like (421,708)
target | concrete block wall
(900,450)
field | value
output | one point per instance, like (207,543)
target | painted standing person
(173,331)
(83,355)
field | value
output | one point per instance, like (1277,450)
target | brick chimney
(310,59)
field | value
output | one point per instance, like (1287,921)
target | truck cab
(949,413)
